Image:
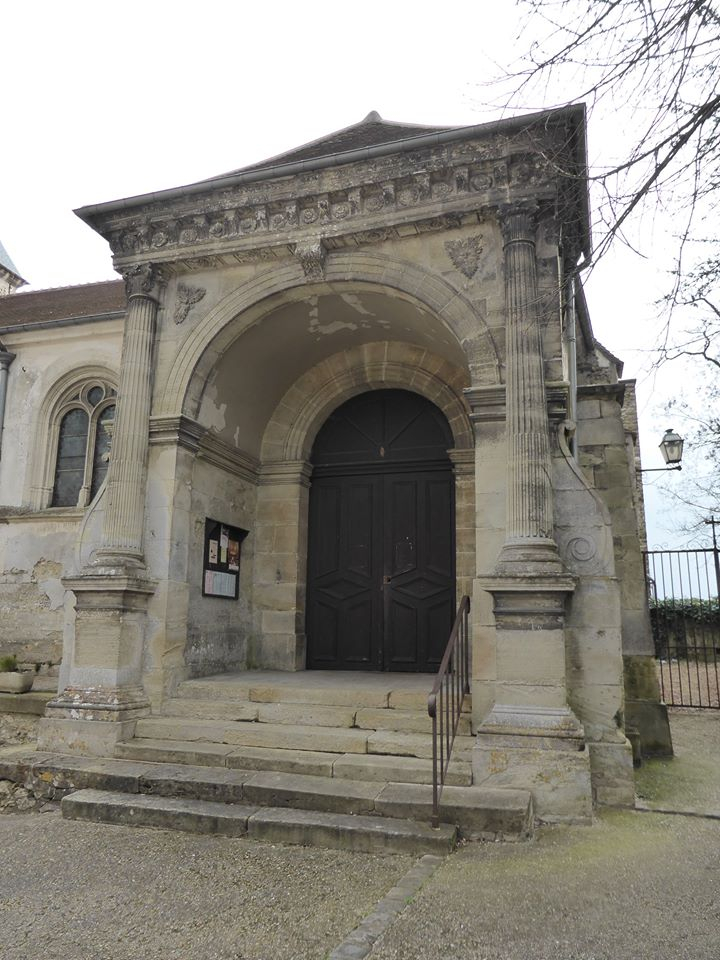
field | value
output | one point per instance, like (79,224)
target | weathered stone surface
(311,762)
(343,832)
(612,775)
(55,777)
(210,709)
(311,793)
(197,783)
(379,767)
(414,745)
(330,739)
(404,721)
(171,813)
(478,812)
(557,774)
(31,703)
(174,751)
(312,715)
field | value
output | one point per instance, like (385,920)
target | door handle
(386,580)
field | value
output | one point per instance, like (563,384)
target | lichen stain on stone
(498,761)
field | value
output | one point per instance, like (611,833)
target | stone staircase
(340,760)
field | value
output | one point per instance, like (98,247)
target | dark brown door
(381,583)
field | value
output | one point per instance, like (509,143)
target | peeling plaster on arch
(352,300)
(264,292)
(212,414)
(303,409)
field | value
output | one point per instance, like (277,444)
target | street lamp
(671,447)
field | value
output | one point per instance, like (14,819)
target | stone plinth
(543,749)
(104,693)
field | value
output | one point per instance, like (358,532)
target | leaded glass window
(83,445)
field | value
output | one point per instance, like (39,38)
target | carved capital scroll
(143,280)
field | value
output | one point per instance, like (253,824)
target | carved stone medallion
(465,254)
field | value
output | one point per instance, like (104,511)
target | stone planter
(15,682)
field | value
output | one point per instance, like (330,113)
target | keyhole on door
(382,451)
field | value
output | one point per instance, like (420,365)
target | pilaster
(104,695)
(127,471)
(530,735)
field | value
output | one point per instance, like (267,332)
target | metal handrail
(448,692)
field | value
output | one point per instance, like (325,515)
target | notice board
(221,561)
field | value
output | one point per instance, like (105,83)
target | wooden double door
(381,584)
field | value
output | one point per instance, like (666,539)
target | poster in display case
(221,560)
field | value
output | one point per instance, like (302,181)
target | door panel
(343,574)
(419,520)
(381,572)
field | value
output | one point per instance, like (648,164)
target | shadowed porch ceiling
(262,364)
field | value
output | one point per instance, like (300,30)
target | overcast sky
(106,101)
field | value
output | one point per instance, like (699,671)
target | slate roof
(26,310)
(371,131)
(6,263)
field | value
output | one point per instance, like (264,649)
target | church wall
(219,630)
(38,545)
(34,608)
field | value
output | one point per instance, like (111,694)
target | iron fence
(683,587)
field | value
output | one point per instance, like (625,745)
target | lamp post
(671,447)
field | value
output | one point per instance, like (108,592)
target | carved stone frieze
(465,254)
(242,218)
(311,255)
(185,299)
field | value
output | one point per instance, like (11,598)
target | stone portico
(429,262)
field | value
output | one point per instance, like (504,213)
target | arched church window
(83,444)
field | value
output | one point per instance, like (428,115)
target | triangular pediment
(369,132)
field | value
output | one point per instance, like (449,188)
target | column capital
(144,280)
(518,221)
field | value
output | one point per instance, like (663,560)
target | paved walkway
(635,885)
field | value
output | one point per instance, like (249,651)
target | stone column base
(541,750)
(612,772)
(88,738)
(650,719)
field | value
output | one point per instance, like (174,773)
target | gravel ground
(632,886)
(85,891)
(691,780)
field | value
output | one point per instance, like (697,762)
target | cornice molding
(363,202)
(185,432)
(487,404)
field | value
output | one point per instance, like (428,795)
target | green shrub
(8,664)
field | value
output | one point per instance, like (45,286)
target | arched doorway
(381,571)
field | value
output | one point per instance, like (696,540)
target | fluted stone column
(530,738)
(529,540)
(104,695)
(125,507)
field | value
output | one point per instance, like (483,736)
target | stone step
(196,753)
(404,721)
(419,745)
(278,736)
(479,813)
(376,691)
(355,766)
(303,714)
(367,834)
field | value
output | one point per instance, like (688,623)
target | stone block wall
(218,629)
(34,608)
